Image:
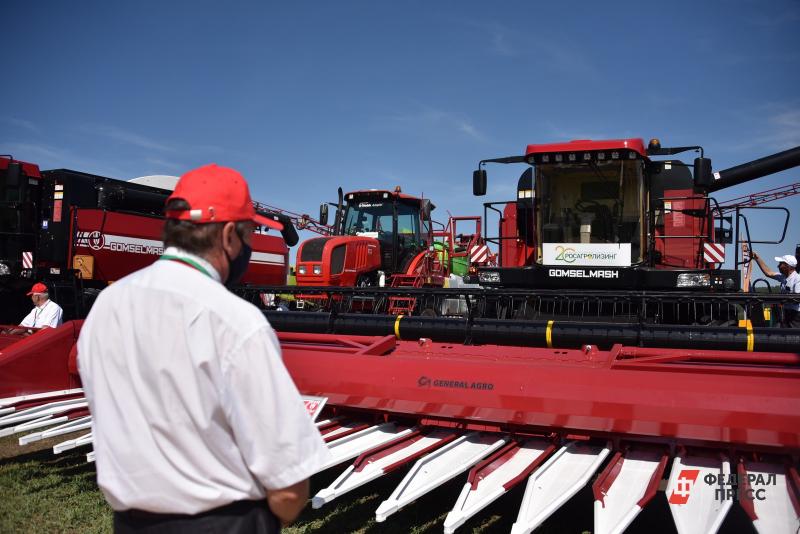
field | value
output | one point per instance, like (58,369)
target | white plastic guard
(438,467)
(353,477)
(351,446)
(635,471)
(553,484)
(694,504)
(517,459)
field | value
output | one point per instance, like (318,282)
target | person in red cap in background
(197,424)
(45,312)
(790,283)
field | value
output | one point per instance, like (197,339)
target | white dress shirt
(47,314)
(193,407)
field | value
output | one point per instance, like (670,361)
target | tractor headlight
(694,280)
(301,269)
(488,276)
(4,269)
(318,269)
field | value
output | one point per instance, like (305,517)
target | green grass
(42,492)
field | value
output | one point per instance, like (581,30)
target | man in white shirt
(45,312)
(790,283)
(195,419)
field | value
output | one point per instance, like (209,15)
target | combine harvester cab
(597,223)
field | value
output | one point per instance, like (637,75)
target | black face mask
(238,265)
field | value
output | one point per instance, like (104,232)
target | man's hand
(287,503)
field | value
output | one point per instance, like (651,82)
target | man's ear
(229,238)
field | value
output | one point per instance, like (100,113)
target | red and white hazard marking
(478,254)
(714,252)
(27,260)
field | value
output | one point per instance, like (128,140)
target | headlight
(729,283)
(488,276)
(4,270)
(694,280)
(318,269)
(301,269)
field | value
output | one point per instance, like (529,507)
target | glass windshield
(599,202)
(371,216)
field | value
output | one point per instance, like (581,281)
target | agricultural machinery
(78,232)
(602,230)
(667,388)
(387,239)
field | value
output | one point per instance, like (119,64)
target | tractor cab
(377,234)
(400,223)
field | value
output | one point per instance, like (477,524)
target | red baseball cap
(216,194)
(38,287)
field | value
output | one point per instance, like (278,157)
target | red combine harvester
(80,232)
(633,403)
(386,239)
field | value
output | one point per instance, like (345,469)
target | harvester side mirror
(479,183)
(323,214)
(426,210)
(703,178)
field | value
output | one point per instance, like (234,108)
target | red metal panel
(38,363)
(122,243)
(565,389)
(583,145)
(29,169)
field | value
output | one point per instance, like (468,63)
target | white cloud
(773,127)
(500,41)
(21,123)
(127,137)
(166,164)
(50,157)
(430,119)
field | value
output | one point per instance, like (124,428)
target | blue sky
(305,96)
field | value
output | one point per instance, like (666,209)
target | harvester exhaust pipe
(554,334)
(756,169)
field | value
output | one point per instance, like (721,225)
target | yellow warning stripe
(548,334)
(751,340)
(397,326)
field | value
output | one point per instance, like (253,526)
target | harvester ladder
(404,305)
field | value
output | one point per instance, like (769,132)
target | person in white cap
(45,312)
(790,283)
(197,425)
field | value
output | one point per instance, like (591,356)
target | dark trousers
(791,319)
(235,518)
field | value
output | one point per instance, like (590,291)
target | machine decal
(587,254)
(97,241)
(424,381)
(582,273)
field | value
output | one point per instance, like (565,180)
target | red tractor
(386,238)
